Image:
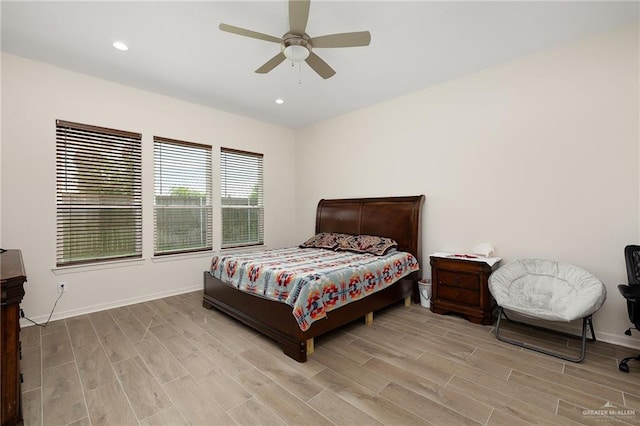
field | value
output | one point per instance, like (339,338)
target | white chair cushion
(547,289)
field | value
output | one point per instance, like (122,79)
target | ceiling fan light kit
(296,53)
(297,46)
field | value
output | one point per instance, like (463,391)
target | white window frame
(242,191)
(182,196)
(98,194)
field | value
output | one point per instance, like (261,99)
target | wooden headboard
(392,217)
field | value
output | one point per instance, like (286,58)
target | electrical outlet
(63,286)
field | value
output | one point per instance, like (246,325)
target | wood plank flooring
(172,362)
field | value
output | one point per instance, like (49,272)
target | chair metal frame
(586,321)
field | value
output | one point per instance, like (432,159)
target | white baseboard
(104,306)
(622,340)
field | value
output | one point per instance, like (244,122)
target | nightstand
(461,286)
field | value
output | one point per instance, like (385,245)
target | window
(99,194)
(182,203)
(242,198)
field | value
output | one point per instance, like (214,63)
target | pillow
(326,240)
(367,244)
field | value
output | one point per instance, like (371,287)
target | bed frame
(393,217)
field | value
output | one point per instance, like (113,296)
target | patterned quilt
(312,281)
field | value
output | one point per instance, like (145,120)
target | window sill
(181,256)
(246,249)
(61,270)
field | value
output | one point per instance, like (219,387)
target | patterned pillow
(326,240)
(367,244)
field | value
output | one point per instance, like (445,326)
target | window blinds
(242,198)
(99,194)
(182,202)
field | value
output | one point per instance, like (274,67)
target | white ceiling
(176,48)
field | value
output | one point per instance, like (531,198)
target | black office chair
(631,292)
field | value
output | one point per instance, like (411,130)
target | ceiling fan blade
(361,38)
(249,33)
(318,65)
(298,16)
(271,64)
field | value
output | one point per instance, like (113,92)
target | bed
(393,217)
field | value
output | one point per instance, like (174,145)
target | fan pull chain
(299,72)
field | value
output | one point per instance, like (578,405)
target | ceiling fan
(296,45)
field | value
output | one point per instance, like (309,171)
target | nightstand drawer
(457,279)
(458,295)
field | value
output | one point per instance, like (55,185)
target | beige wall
(539,156)
(34,95)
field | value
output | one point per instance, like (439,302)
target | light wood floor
(172,362)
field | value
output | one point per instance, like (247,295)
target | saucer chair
(547,290)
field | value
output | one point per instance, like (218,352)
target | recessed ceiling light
(279,101)
(120,45)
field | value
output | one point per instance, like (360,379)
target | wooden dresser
(461,286)
(12,285)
